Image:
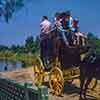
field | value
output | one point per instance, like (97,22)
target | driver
(45,27)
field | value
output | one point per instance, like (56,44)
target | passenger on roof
(79,35)
(75,27)
(67,23)
(57,20)
(67,20)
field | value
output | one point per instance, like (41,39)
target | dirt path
(70,91)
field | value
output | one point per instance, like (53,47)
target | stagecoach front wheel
(38,75)
(93,84)
(56,81)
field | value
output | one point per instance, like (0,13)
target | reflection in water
(9,66)
(5,67)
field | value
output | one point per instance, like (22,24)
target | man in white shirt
(45,45)
(45,25)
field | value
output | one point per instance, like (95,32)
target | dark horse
(89,68)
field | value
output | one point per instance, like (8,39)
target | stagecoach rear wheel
(93,84)
(56,81)
(38,75)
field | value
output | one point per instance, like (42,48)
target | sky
(26,21)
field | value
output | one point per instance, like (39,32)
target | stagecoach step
(94,94)
(71,72)
(71,77)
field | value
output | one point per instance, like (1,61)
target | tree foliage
(9,7)
(31,46)
(3,48)
(94,41)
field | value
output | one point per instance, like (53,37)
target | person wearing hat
(79,35)
(67,23)
(45,45)
(69,18)
(75,27)
(57,20)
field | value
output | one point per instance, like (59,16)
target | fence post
(26,91)
(43,93)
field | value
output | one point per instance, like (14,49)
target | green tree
(14,48)
(3,48)
(17,49)
(91,38)
(94,41)
(30,45)
(37,42)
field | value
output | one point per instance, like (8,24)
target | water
(9,66)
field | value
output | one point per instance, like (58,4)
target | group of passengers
(64,22)
(68,26)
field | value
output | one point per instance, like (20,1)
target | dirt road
(70,90)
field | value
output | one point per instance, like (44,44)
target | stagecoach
(63,67)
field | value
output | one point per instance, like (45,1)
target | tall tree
(91,38)
(94,41)
(29,45)
(37,41)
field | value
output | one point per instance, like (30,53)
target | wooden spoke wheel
(93,84)
(38,75)
(56,81)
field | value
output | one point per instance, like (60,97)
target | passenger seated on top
(75,27)
(67,23)
(79,35)
(57,22)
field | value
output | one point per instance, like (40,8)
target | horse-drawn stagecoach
(63,64)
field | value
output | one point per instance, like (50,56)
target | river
(9,66)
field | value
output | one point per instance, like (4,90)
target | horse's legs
(86,85)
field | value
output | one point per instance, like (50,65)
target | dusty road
(70,91)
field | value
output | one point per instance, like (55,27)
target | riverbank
(27,58)
(20,75)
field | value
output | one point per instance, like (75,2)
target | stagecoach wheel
(93,84)
(38,75)
(56,81)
